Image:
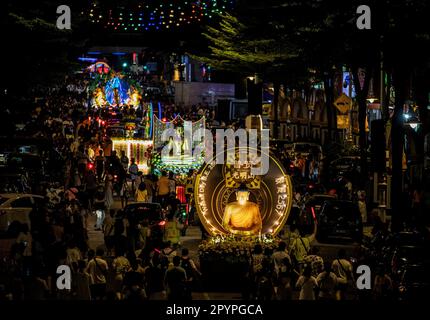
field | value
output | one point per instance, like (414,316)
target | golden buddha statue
(242,217)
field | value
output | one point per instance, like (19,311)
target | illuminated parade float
(184,159)
(112,91)
(239,210)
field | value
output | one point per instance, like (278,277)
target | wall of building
(193,93)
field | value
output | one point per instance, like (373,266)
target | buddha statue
(242,217)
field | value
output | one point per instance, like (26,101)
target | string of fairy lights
(153,15)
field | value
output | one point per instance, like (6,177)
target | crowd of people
(95,183)
(93,177)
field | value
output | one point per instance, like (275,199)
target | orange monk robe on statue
(242,217)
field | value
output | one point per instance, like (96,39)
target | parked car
(339,222)
(305,149)
(29,162)
(414,283)
(305,215)
(13,182)
(408,255)
(345,164)
(3,157)
(17,207)
(139,213)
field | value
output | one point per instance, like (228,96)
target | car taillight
(162,223)
(313,213)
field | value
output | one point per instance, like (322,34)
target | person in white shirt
(327,282)
(97,268)
(73,254)
(307,284)
(278,259)
(121,265)
(342,268)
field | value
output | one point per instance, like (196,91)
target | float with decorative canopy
(184,161)
(113,91)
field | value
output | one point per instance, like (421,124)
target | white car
(16,207)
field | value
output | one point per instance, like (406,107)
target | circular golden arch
(212,230)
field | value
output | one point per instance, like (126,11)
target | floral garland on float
(236,246)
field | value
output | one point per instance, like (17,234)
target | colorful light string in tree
(153,15)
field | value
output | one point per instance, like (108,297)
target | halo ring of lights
(273,196)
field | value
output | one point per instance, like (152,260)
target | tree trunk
(386,102)
(329,98)
(255,97)
(400,80)
(362,113)
(276,88)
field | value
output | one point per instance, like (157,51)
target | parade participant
(383,285)
(81,282)
(124,160)
(133,170)
(100,166)
(99,207)
(163,187)
(172,230)
(188,265)
(279,258)
(301,247)
(141,193)
(342,268)
(149,187)
(307,284)
(172,184)
(90,187)
(124,194)
(362,206)
(108,230)
(109,200)
(189,188)
(315,261)
(97,268)
(327,282)
(82,158)
(120,265)
(175,281)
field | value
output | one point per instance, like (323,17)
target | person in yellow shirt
(141,193)
(172,231)
(163,187)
